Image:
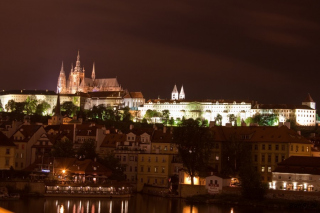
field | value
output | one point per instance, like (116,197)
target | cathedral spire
(57,110)
(62,71)
(175,93)
(77,68)
(93,75)
(182,95)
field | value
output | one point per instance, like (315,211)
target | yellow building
(7,153)
(270,145)
(157,167)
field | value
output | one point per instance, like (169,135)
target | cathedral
(77,81)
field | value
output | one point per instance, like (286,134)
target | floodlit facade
(210,109)
(297,174)
(77,82)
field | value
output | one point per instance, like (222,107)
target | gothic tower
(76,77)
(62,83)
(175,93)
(309,102)
(93,75)
(182,95)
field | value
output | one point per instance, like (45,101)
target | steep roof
(110,140)
(27,131)
(136,94)
(4,141)
(300,165)
(198,100)
(259,134)
(160,137)
(308,98)
(280,106)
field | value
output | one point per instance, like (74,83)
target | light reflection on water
(137,204)
(83,205)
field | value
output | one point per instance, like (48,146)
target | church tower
(57,118)
(62,83)
(76,77)
(175,93)
(308,101)
(182,95)
(93,75)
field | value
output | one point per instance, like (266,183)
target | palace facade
(211,109)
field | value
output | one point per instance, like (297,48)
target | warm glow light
(190,209)
(187,180)
(61,210)
(63,171)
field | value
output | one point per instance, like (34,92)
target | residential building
(7,152)
(157,167)
(24,138)
(269,145)
(297,173)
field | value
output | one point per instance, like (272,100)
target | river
(136,204)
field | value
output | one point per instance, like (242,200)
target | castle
(77,82)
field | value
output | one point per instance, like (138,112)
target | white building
(297,173)
(303,115)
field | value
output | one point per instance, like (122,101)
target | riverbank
(237,200)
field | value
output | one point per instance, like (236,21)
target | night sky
(267,51)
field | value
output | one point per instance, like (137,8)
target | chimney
(131,126)
(299,132)
(164,129)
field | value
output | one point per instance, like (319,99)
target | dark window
(269,158)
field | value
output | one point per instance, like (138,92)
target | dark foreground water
(137,204)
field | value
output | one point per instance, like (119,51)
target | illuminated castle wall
(77,82)
(303,115)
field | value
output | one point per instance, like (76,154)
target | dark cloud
(266,51)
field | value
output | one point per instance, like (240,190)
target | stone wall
(189,190)
(35,187)
(293,195)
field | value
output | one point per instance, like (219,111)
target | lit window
(269,168)
(262,169)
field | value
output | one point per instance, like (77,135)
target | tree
(19,107)
(1,107)
(69,108)
(113,163)
(252,187)
(126,115)
(265,120)
(42,108)
(165,116)
(10,106)
(232,118)
(194,144)
(218,119)
(87,150)
(63,148)
(31,105)
(171,121)
(232,150)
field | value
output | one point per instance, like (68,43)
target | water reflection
(190,209)
(137,204)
